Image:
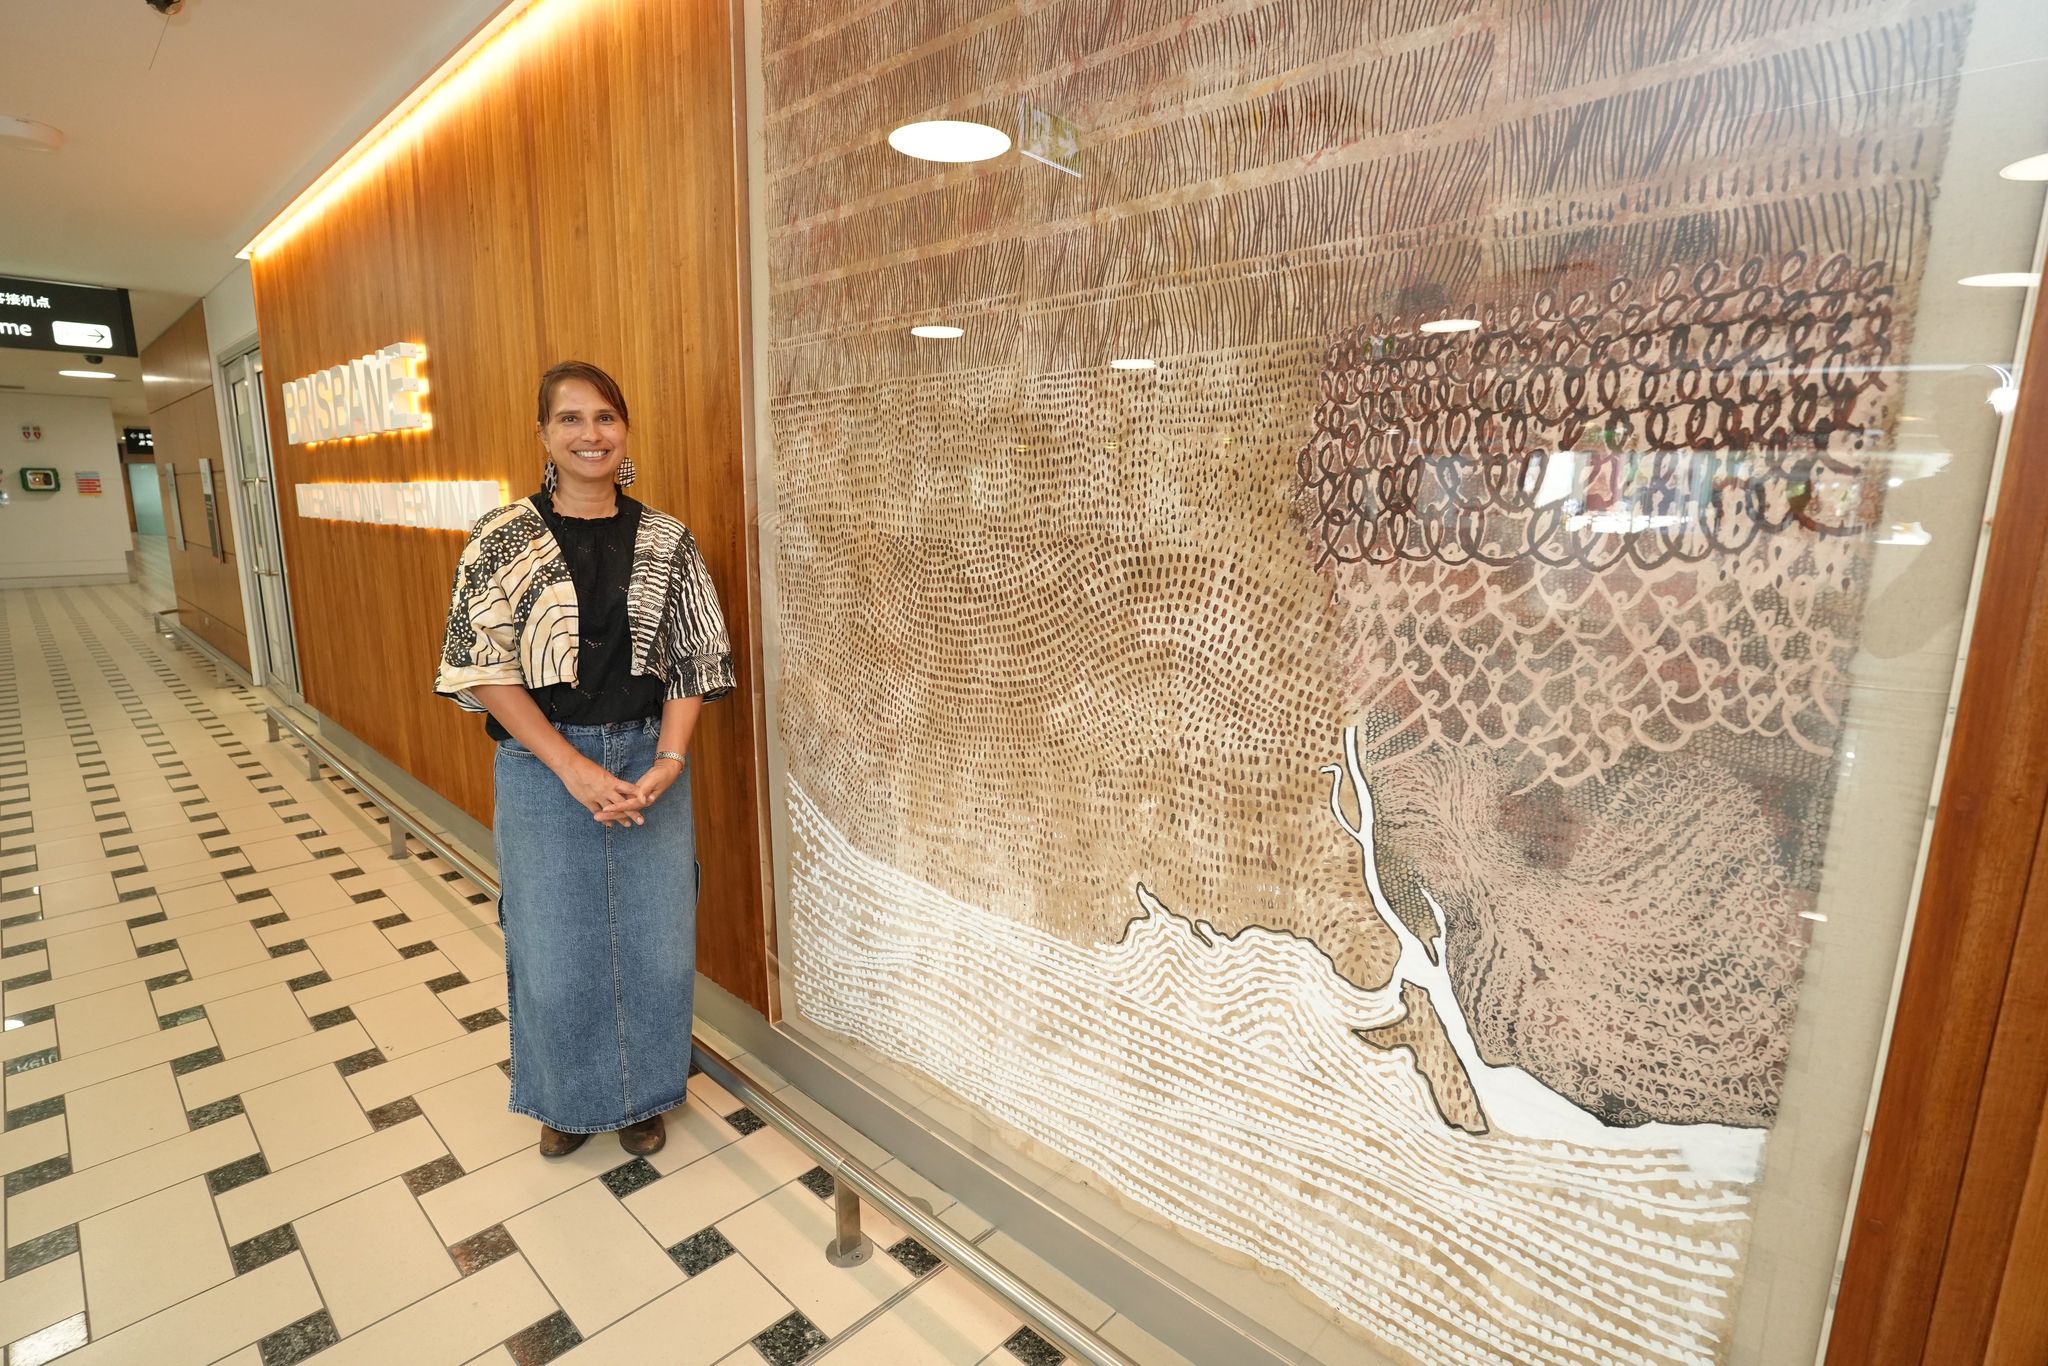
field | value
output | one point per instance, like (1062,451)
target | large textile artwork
(1355,786)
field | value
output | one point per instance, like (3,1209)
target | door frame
(247,529)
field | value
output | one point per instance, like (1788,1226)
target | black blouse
(599,551)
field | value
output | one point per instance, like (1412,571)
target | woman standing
(585,624)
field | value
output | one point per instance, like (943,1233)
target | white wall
(48,538)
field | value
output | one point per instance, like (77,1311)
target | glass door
(255,480)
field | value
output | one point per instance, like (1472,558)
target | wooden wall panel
(578,205)
(178,385)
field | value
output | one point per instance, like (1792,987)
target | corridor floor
(254,1105)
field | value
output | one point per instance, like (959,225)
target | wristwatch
(671,754)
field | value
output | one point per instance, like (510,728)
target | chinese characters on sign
(14,300)
(45,315)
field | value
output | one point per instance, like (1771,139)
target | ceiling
(184,136)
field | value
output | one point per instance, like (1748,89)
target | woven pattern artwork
(1413,747)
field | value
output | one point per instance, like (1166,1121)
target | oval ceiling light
(1452,325)
(88,374)
(1134,363)
(950,140)
(28,133)
(938,331)
(2030,168)
(2002,279)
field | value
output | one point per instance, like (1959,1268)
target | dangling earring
(626,473)
(548,477)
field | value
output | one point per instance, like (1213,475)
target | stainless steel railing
(853,1180)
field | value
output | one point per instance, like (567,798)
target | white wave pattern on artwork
(1218,1082)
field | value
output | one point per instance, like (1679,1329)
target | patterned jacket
(513,618)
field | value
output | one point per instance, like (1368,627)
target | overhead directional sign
(45,315)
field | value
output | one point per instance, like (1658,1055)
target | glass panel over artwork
(1359,700)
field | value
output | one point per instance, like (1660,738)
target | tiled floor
(254,1105)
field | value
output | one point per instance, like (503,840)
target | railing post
(397,838)
(270,724)
(851,1247)
(312,763)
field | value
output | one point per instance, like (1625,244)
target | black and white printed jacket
(513,618)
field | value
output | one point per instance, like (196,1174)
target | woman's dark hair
(607,388)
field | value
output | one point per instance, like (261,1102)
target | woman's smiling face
(584,435)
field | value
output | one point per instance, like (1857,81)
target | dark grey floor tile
(215,1112)
(483,1019)
(420,950)
(40,1174)
(701,1251)
(29,1062)
(789,1340)
(192,1062)
(169,979)
(448,983)
(154,918)
(390,922)
(294,1343)
(51,1343)
(544,1341)
(240,1173)
(26,980)
(745,1120)
(151,950)
(819,1182)
(49,1247)
(292,946)
(479,1250)
(26,946)
(433,1175)
(1033,1350)
(311,979)
(397,1112)
(329,1019)
(188,1015)
(915,1257)
(33,1114)
(264,1247)
(623,1180)
(360,1062)
(19,1019)
(264,922)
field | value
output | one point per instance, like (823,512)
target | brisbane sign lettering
(370,396)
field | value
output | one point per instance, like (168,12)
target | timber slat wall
(578,204)
(1950,1236)
(178,386)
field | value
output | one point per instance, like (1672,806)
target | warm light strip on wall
(487,54)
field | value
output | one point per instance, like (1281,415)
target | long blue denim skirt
(600,938)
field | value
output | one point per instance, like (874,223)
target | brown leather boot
(555,1143)
(644,1138)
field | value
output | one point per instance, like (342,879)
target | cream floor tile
(123,1116)
(408,1020)
(87,1023)
(213,1325)
(206,896)
(72,855)
(470,1115)
(374,1253)
(28,1039)
(267,855)
(312,896)
(364,986)
(423,900)
(170,880)
(305,1114)
(87,1069)
(221,985)
(258,1019)
(252,820)
(65,819)
(199,922)
(174,851)
(32,1143)
(453,1325)
(693,1132)
(783,1233)
(469,1204)
(359,948)
(419,931)
(61,989)
(709,1189)
(36,1299)
(151,1253)
(61,896)
(696,1324)
(274,1063)
(155,818)
(83,950)
(26,964)
(304,925)
(86,1193)
(431,1066)
(274,880)
(476,953)
(318,1181)
(467,1000)
(946,1321)
(222,950)
(597,1260)
(497,1356)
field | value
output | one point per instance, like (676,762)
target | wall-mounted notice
(87,482)
(369,396)
(447,505)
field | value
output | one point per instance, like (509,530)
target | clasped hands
(610,799)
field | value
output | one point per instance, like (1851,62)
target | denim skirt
(600,937)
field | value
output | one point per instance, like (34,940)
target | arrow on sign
(95,335)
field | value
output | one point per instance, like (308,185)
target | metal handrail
(853,1180)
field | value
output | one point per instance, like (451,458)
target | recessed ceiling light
(28,133)
(1452,325)
(2002,279)
(937,330)
(950,140)
(87,374)
(2031,168)
(1134,363)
